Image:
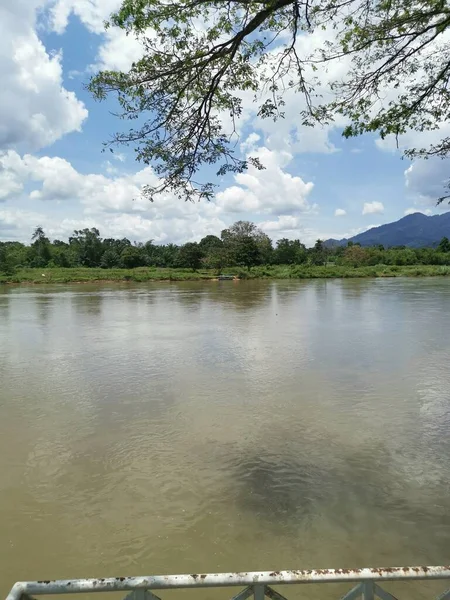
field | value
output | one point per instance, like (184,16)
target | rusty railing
(256,584)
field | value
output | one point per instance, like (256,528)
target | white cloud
(35,108)
(291,227)
(117,51)
(373,208)
(59,179)
(92,13)
(294,228)
(283,223)
(340,212)
(56,179)
(414,139)
(110,168)
(119,156)
(10,185)
(250,144)
(164,230)
(426,180)
(111,202)
(270,191)
(114,204)
(16,224)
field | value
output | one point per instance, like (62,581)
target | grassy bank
(80,275)
(83,275)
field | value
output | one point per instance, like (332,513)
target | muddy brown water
(203,427)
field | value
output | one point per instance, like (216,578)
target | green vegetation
(200,58)
(142,274)
(86,274)
(242,250)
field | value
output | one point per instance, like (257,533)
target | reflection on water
(266,493)
(232,426)
(44,309)
(86,304)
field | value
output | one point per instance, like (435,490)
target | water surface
(196,427)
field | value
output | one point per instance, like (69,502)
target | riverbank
(82,274)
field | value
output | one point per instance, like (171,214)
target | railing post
(258,591)
(368,590)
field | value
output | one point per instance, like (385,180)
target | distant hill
(415,231)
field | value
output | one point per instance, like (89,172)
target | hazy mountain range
(415,231)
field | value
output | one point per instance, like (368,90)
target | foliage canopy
(242,246)
(200,56)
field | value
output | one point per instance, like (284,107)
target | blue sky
(53,172)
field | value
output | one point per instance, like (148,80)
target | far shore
(143,274)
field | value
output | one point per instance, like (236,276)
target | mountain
(415,231)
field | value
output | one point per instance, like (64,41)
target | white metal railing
(256,584)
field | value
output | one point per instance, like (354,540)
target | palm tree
(38,234)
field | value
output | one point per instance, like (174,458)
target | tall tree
(40,248)
(355,256)
(289,252)
(198,56)
(209,242)
(60,254)
(245,239)
(246,252)
(6,263)
(318,254)
(39,235)
(132,257)
(444,245)
(217,258)
(190,256)
(87,245)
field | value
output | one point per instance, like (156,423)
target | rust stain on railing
(256,583)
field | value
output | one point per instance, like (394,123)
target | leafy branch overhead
(199,57)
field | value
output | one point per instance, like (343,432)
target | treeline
(241,245)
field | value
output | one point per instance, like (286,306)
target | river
(195,427)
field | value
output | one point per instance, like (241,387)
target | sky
(53,172)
